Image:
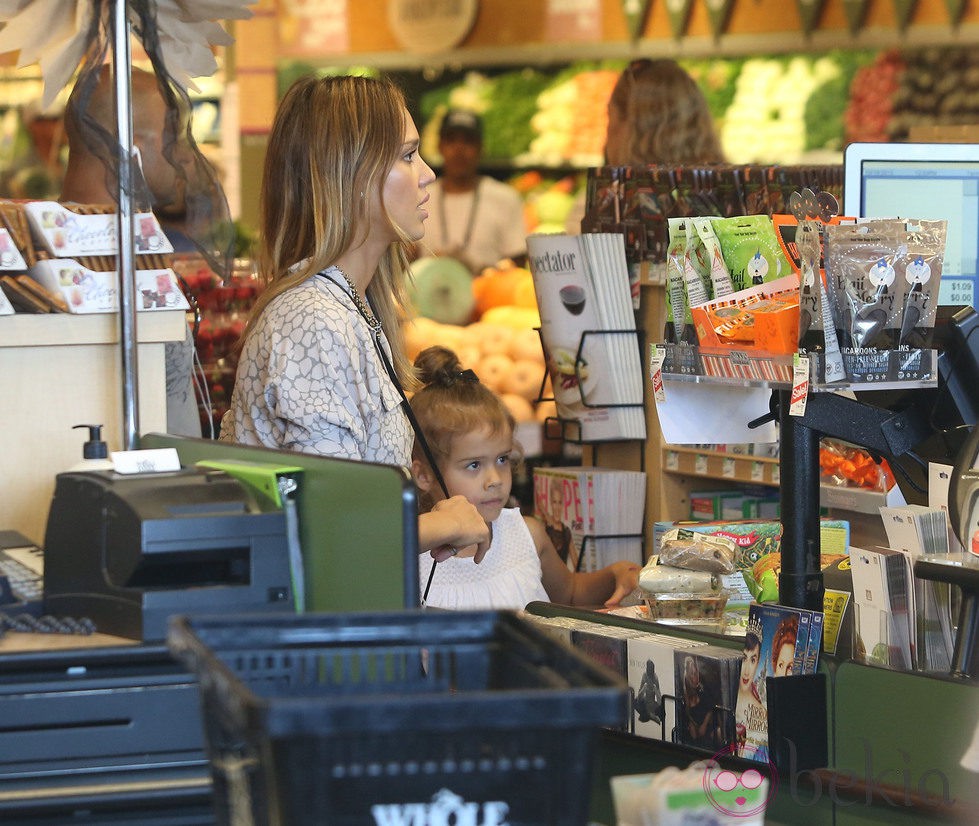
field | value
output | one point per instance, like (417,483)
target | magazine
(588,331)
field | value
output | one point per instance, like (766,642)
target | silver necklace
(360,304)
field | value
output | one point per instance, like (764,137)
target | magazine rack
(566,425)
(594,537)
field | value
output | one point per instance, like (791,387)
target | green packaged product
(709,252)
(679,319)
(751,250)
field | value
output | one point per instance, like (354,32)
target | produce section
(787,108)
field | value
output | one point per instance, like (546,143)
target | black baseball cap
(462,121)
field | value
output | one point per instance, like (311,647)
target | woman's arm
(453,524)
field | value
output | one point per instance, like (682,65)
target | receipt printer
(129,551)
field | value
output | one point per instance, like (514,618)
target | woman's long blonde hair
(333,142)
(665,114)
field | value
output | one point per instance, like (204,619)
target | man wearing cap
(474,218)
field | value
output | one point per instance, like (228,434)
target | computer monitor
(922,180)
(358,523)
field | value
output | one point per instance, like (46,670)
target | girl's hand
(626,581)
(465,532)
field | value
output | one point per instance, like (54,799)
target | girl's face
(783,665)
(478,467)
(405,189)
(749,667)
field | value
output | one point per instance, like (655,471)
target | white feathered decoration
(56,35)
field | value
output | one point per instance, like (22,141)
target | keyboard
(22,568)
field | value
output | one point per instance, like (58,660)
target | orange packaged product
(777,325)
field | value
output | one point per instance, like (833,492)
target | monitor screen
(922,180)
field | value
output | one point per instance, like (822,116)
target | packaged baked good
(695,551)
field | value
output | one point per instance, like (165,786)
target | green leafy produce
(506,123)
(826,105)
(717,79)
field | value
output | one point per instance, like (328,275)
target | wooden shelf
(710,464)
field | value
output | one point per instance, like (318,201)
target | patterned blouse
(310,378)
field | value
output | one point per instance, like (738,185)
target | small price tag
(672,460)
(700,464)
(800,385)
(727,468)
(656,358)
(757,472)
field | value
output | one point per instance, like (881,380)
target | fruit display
(224,308)
(871,105)
(501,343)
(934,87)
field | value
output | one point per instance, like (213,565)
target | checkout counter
(107,728)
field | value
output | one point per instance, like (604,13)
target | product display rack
(874,773)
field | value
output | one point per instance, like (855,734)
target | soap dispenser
(95,451)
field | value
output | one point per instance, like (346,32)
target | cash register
(128,551)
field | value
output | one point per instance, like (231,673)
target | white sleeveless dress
(508,577)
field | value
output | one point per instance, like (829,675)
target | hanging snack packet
(696,268)
(679,320)
(710,248)
(922,270)
(750,249)
(861,266)
(817,334)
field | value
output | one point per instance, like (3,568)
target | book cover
(706,684)
(606,644)
(652,678)
(582,289)
(559,503)
(776,641)
(815,643)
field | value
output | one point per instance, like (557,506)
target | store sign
(679,14)
(314,27)
(718,14)
(856,13)
(573,20)
(955,10)
(428,26)
(635,12)
(809,12)
(903,9)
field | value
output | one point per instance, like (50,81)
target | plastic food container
(698,610)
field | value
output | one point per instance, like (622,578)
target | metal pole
(126,224)
(800,583)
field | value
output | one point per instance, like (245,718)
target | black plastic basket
(380,718)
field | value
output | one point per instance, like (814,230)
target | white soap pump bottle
(95,451)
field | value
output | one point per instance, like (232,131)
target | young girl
(470,433)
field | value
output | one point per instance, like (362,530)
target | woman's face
(783,665)
(749,667)
(405,189)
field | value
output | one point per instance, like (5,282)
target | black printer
(129,551)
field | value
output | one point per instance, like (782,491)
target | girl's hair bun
(440,367)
